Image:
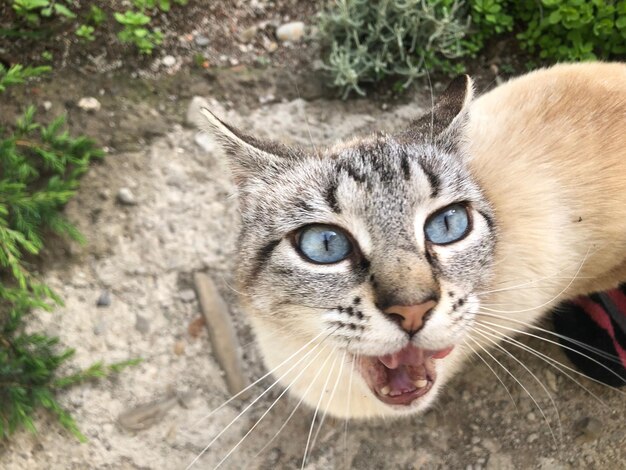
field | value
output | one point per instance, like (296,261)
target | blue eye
(324,244)
(448,225)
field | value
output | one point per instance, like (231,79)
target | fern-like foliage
(40,167)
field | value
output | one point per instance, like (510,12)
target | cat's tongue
(410,355)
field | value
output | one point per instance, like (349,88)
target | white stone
(292,32)
(168,60)
(126,196)
(89,103)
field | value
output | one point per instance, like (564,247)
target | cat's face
(370,258)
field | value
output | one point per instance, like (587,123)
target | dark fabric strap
(618,315)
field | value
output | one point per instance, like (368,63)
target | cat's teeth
(385,390)
(421,383)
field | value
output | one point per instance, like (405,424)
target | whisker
(232,288)
(432,107)
(306,120)
(544,278)
(317,407)
(248,407)
(543,414)
(270,408)
(552,299)
(493,371)
(485,323)
(293,412)
(330,399)
(599,352)
(550,361)
(345,438)
(201,420)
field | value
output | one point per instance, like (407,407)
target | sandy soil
(184,220)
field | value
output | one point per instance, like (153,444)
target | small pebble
(187,295)
(47,105)
(292,32)
(475,440)
(125,196)
(89,103)
(104,300)
(168,61)
(532,438)
(201,40)
(248,34)
(99,328)
(196,326)
(270,46)
(587,429)
(142,324)
(179,348)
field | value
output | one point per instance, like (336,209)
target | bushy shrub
(368,41)
(40,167)
(572,29)
(371,40)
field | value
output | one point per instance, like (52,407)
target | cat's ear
(248,156)
(449,114)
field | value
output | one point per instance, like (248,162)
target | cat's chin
(403,378)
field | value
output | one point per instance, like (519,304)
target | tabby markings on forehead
(352,172)
(433,179)
(331,198)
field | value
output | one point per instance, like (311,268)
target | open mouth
(402,377)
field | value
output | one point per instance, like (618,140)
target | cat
(372,269)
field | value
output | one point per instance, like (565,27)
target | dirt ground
(184,220)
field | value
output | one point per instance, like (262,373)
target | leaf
(63,10)
(554,17)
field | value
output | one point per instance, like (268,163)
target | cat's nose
(411,318)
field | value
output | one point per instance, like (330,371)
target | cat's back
(568,121)
(576,109)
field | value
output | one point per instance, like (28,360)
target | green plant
(86,32)
(573,29)
(18,74)
(96,16)
(33,10)
(489,18)
(135,31)
(163,5)
(40,167)
(368,41)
